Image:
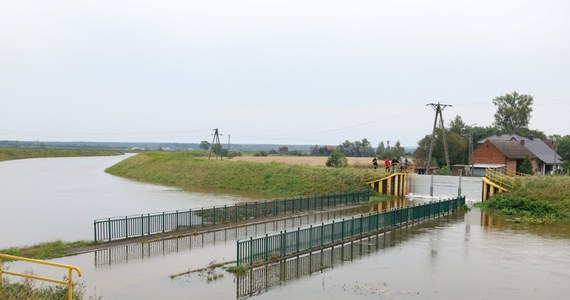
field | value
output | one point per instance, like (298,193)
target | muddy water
(463,256)
(58,198)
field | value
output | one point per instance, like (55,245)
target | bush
(520,206)
(337,160)
(261,153)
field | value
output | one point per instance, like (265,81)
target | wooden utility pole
(438,109)
(216,143)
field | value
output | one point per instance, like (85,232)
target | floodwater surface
(46,199)
(460,256)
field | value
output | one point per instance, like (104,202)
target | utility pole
(438,109)
(470,151)
(228,145)
(216,143)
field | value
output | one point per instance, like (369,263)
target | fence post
(163,222)
(251,250)
(459,187)
(109,222)
(214,215)
(142,224)
(177,224)
(266,247)
(298,231)
(283,239)
(126,227)
(431,185)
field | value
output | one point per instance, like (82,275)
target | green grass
(536,199)
(47,250)
(16,153)
(28,290)
(193,172)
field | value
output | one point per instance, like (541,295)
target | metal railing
(68,282)
(502,177)
(152,223)
(272,246)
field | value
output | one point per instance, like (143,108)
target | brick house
(499,153)
(546,159)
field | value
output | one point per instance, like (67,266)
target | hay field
(355,162)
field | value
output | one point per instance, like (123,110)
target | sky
(313,72)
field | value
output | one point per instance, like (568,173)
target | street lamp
(470,154)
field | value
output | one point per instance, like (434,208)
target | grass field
(355,162)
(189,171)
(17,153)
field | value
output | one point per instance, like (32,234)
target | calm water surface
(59,198)
(462,256)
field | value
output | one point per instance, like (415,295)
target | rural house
(498,153)
(510,150)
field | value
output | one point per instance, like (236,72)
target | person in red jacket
(387,164)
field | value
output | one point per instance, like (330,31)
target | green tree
(357,148)
(526,166)
(513,111)
(337,159)
(457,147)
(205,145)
(457,125)
(381,150)
(563,147)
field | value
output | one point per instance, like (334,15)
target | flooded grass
(46,250)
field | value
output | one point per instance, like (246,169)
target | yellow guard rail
(68,282)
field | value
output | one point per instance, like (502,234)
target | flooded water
(59,198)
(465,255)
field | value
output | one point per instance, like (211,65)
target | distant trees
(457,147)
(357,148)
(320,151)
(563,147)
(205,145)
(395,151)
(337,159)
(513,111)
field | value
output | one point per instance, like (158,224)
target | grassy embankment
(193,172)
(16,153)
(536,199)
(46,250)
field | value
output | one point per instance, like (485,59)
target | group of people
(391,165)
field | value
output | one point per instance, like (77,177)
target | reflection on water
(259,279)
(125,253)
(454,257)
(390,204)
(559,229)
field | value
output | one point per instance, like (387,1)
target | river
(466,255)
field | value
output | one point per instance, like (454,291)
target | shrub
(337,160)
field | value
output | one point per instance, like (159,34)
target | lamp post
(470,154)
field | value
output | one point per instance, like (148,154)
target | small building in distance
(283,150)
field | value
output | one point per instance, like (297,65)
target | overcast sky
(281,72)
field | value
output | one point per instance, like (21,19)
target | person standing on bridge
(394,165)
(387,165)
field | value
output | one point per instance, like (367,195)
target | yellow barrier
(69,268)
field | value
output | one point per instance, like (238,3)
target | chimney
(522,142)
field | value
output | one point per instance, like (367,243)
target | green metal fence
(146,224)
(271,246)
